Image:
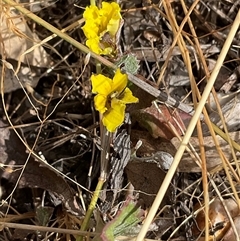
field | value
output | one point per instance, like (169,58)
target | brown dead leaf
(18,38)
(35,175)
(148,177)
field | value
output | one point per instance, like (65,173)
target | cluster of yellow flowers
(101,27)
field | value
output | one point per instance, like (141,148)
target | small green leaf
(129,63)
(127,218)
(44,215)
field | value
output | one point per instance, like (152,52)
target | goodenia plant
(102,27)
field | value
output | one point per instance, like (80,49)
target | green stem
(105,146)
(91,207)
(98,68)
(92,2)
(59,33)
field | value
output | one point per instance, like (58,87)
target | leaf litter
(55,117)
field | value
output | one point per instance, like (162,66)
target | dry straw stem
(186,58)
(175,39)
(199,129)
(44,229)
(186,138)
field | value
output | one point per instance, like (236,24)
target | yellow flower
(111,99)
(101,27)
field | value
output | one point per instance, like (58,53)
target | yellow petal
(114,117)
(127,97)
(105,16)
(92,21)
(93,45)
(101,84)
(110,17)
(114,22)
(107,51)
(90,30)
(91,12)
(119,81)
(113,26)
(100,102)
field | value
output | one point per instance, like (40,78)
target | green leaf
(44,215)
(124,222)
(129,63)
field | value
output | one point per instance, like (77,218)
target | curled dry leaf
(218,219)
(230,233)
(18,39)
(223,75)
(156,121)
